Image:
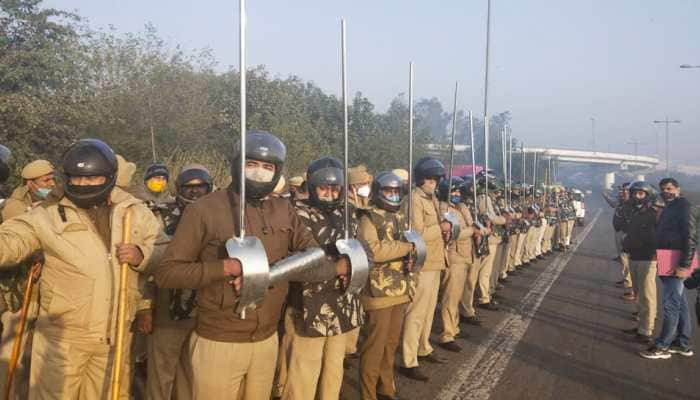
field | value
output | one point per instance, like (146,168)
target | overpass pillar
(609,180)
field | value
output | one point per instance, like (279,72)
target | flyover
(611,162)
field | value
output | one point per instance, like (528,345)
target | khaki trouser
(169,374)
(571,230)
(351,343)
(548,236)
(540,238)
(644,280)
(484,282)
(512,248)
(518,259)
(496,269)
(530,239)
(564,236)
(624,259)
(379,351)
(466,304)
(20,381)
(229,370)
(66,370)
(285,352)
(419,319)
(451,296)
(505,258)
(314,362)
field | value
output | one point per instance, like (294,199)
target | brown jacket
(79,283)
(194,259)
(426,221)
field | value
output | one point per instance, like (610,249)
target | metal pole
(452,148)
(504,166)
(242,67)
(486,73)
(593,133)
(668,167)
(344,77)
(509,136)
(534,176)
(471,144)
(486,157)
(522,156)
(410,143)
(486,100)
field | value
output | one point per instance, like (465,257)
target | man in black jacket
(640,244)
(676,229)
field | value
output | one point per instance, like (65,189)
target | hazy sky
(554,63)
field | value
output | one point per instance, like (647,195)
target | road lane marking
(479,375)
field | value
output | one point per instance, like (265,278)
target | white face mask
(257,174)
(363,191)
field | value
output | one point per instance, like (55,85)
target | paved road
(558,337)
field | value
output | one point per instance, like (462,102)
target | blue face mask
(42,193)
(395,198)
(455,199)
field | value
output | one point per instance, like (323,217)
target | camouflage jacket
(380,232)
(182,302)
(324,308)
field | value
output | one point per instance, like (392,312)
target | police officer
(460,255)
(154,191)
(322,313)
(426,220)
(496,223)
(80,233)
(388,288)
(175,309)
(38,181)
(231,356)
(640,243)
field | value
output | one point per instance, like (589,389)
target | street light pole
(593,133)
(667,122)
(688,66)
(636,144)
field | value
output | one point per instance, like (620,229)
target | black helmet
(641,186)
(457,184)
(260,146)
(625,186)
(325,171)
(89,157)
(387,179)
(188,173)
(5,156)
(156,170)
(428,167)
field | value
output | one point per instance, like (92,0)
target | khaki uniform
(460,255)
(485,282)
(76,325)
(384,299)
(419,314)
